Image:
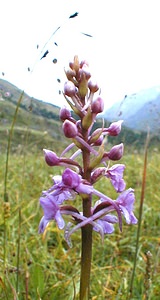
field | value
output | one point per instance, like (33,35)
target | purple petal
(59,220)
(125,202)
(107,223)
(42,225)
(107,227)
(70,178)
(49,207)
(51,212)
(57,179)
(84,189)
(115,173)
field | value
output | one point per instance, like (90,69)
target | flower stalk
(86,232)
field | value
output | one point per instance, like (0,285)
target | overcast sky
(123,54)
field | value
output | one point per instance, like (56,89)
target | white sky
(124,53)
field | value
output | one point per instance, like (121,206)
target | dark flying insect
(74,15)
(45,54)
(54,60)
(89,35)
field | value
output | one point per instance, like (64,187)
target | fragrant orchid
(77,178)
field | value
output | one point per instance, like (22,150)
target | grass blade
(140,216)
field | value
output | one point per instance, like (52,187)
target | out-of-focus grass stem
(6,199)
(9,146)
(140,217)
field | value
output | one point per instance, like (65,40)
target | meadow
(35,266)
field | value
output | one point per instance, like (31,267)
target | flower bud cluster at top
(79,92)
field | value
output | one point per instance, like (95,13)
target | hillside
(139,111)
(38,126)
(37,123)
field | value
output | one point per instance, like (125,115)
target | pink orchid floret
(115,173)
(51,212)
(71,178)
(102,217)
(65,187)
(125,202)
(106,223)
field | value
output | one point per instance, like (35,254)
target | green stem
(86,248)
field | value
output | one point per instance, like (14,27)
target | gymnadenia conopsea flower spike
(102,213)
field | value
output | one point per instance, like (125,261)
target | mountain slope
(139,111)
(37,122)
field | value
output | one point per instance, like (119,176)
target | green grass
(34,266)
(38,267)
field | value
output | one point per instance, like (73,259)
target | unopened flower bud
(71,64)
(75,65)
(93,86)
(83,86)
(87,120)
(116,152)
(99,141)
(85,70)
(95,135)
(70,129)
(79,125)
(70,74)
(84,62)
(97,106)
(51,158)
(97,174)
(69,89)
(64,114)
(115,128)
